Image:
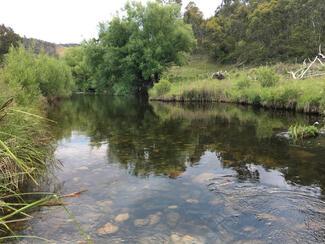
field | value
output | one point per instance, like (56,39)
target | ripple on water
(273,211)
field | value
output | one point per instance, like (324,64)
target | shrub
(267,77)
(162,87)
(32,75)
(55,77)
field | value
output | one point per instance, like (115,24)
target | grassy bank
(25,153)
(269,87)
(27,80)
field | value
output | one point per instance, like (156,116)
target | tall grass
(265,86)
(26,81)
(24,156)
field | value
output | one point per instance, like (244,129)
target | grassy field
(269,87)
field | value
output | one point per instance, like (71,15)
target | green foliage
(75,57)
(263,31)
(194,17)
(8,38)
(136,47)
(261,87)
(162,87)
(302,131)
(266,76)
(243,83)
(32,75)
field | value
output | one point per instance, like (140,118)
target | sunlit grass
(257,86)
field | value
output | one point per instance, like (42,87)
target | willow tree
(134,48)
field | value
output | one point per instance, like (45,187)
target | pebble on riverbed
(172,207)
(140,222)
(192,201)
(108,228)
(104,203)
(184,239)
(122,217)
(152,219)
(83,168)
(173,218)
(204,177)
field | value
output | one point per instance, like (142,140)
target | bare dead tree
(310,68)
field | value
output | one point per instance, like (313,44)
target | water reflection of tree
(164,139)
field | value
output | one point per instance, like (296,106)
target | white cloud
(66,21)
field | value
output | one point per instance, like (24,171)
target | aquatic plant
(303,131)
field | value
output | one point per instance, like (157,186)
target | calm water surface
(164,173)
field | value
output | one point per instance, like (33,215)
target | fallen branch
(74,194)
(59,202)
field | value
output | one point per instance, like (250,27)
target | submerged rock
(154,218)
(184,239)
(122,217)
(268,217)
(104,203)
(284,135)
(140,222)
(173,207)
(192,201)
(108,228)
(204,177)
(173,218)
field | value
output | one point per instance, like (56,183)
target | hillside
(50,48)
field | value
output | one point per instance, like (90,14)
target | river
(171,173)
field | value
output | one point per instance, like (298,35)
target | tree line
(135,47)
(260,31)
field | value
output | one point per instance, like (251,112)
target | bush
(267,77)
(162,87)
(33,75)
(75,58)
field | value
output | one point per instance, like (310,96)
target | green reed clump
(266,76)
(24,156)
(297,131)
(162,87)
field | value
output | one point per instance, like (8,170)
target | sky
(68,21)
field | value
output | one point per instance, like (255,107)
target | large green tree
(75,57)
(133,49)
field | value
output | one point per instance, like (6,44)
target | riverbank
(27,82)
(269,87)
(25,153)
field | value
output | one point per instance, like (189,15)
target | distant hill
(50,48)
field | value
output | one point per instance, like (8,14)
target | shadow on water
(201,173)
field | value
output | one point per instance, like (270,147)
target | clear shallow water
(163,173)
